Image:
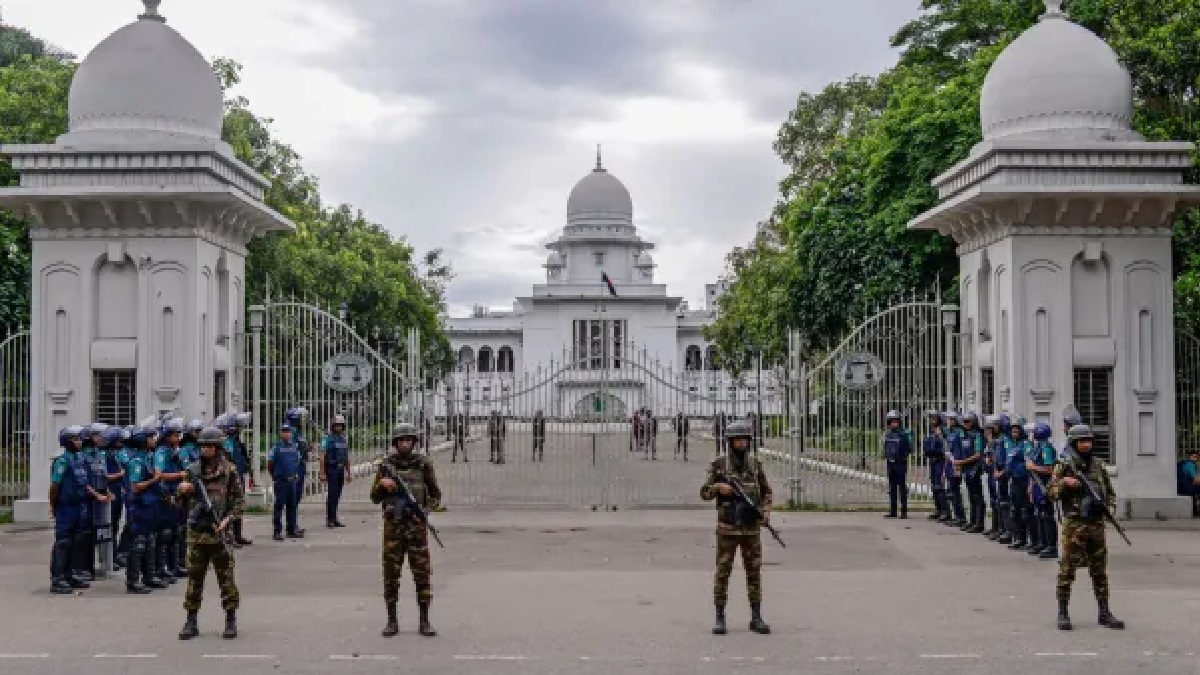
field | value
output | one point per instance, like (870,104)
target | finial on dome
(599,165)
(1054,8)
(152,11)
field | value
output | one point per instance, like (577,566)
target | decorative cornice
(1041,396)
(1145,396)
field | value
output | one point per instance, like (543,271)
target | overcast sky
(463,124)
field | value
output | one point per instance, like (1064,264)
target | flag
(608,282)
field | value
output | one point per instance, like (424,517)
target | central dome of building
(146,78)
(599,197)
(1056,79)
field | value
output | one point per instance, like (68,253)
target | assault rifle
(408,503)
(1093,494)
(740,493)
(204,514)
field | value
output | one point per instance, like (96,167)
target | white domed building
(598,349)
(1063,219)
(139,215)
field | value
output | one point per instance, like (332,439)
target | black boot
(719,627)
(937,505)
(237,534)
(87,553)
(60,562)
(180,552)
(994,531)
(150,563)
(756,621)
(393,624)
(1050,551)
(76,562)
(1064,618)
(190,629)
(162,558)
(230,625)
(1036,535)
(425,628)
(1106,618)
(133,569)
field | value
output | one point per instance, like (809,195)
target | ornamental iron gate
(14,417)
(902,358)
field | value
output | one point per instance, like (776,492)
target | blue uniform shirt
(337,451)
(1015,466)
(69,472)
(285,461)
(897,445)
(166,461)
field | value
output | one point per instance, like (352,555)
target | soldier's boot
(190,629)
(1105,617)
(756,621)
(393,624)
(60,562)
(1064,618)
(719,627)
(230,625)
(425,628)
(1050,551)
(238,536)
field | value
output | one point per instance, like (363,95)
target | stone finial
(599,165)
(1054,8)
(152,11)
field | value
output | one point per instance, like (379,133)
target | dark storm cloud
(486,176)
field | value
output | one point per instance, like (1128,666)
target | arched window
(466,358)
(710,358)
(487,362)
(693,360)
(504,360)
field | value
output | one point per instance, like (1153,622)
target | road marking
(238,656)
(126,656)
(363,657)
(835,658)
(1064,654)
(489,657)
(24,656)
(952,656)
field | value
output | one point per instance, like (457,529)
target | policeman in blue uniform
(897,447)
(1040,463)
(235,452)
(113,441)
(933,448)
(142,504)
(996,445)
(953,475)
(95,455)
(124,455)
(189,451)
(971,466)
(71,496)
(172,518)
(284,466)
(335,468)
(295,419)
(1018,485)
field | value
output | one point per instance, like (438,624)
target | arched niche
(116,298)
(1091,297)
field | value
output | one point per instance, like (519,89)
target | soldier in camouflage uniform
(206,533)
(735,528)
(1083,528)
(406,536)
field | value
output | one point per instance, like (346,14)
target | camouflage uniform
(407,536)
(731,535)
(1082,534)
(204,546)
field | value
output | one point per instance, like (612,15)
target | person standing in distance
(335,468)
(1083,526)
(284,464)
(406,535)
(205,533)
(737,529)
(897,446)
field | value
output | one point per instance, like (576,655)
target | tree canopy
(335,256)
(862,153)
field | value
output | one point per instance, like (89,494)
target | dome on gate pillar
(1057,80)
(599,198)
(145,80)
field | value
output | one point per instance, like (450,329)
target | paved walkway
(603,592)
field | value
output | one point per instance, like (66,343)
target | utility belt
(286,479)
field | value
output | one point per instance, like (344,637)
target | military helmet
(738,429)
(404,430)
(892,415)
(1079,432)
(210,436)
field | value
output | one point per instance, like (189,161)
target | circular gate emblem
(859,370)
(347,373)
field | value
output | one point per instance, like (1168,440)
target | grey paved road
(594,592)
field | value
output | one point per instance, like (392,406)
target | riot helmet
(970,418)
(337,419)
(951,418)
(242,420)
(114,436)
(68,437)
(1042,431)
(1016,426)
(892,416)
